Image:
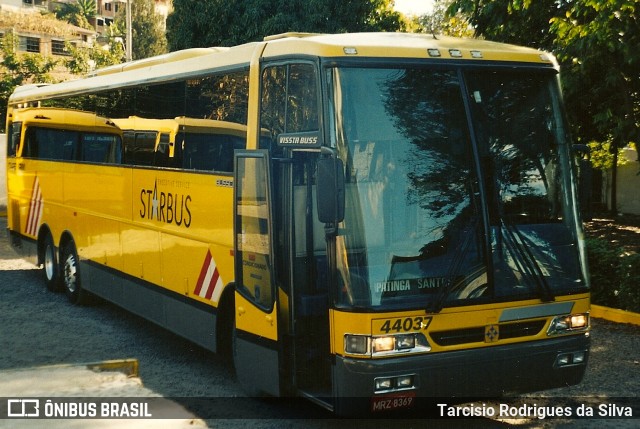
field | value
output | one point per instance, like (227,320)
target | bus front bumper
(472,373)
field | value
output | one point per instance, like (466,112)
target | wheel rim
(49,263)
(70,274)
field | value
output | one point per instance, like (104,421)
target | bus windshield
(452,201)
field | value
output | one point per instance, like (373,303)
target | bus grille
(476,335)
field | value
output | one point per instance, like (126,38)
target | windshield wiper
(524,259)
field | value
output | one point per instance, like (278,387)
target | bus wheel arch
(225,323)
(48,257)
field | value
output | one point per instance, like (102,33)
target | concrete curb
(615,315)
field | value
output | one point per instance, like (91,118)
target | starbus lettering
(167,207)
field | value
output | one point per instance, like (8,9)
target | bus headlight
(568,323)
(356,344)
(385,344)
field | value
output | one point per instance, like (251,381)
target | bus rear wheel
(71,275)
(51,268)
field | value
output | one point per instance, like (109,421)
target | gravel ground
(40,328)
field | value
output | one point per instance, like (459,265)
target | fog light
(579,357)
(563,360)
(383,384)
(404,381)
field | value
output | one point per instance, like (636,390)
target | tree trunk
(614,182)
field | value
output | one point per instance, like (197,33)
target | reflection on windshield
(415,226)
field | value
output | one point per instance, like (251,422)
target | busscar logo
(23,408)
(167,207)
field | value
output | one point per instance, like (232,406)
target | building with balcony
(40,33)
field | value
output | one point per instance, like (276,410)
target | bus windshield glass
(453,201)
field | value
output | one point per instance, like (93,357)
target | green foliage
(601,155)
(79,13)
(86,58)
(604,262)
(615,275)
(444,21)
(241,21)
(18,69)
(629,294)
(522,22)
(596,43)
(147,28)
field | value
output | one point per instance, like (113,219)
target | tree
(87,58)
(596,43)
(18,69)
(233,22)
(522,22)
(147,28)
(81,13)
(443,21)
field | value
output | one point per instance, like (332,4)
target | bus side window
(192,155)
(49,143)
(295,112)
(161,155)
(30,149)
(225,160)
(101,148)
(13,138)
(45,143)
(70,149)
(139,147)
(128,143)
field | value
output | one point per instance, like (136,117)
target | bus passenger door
(256,348)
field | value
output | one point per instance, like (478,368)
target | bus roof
(401,45)
(194,62)
(65,119)
(192,125)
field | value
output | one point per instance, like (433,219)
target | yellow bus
(189,143)
(400,223)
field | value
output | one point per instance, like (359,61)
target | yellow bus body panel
(251,319)
(453,318)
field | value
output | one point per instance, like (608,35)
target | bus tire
(50,265)
(71,275)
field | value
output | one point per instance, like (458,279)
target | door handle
(241,311)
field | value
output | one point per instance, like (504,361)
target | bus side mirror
(330,190)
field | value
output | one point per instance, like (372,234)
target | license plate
(394,401)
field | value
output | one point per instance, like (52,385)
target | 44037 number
(401,324)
